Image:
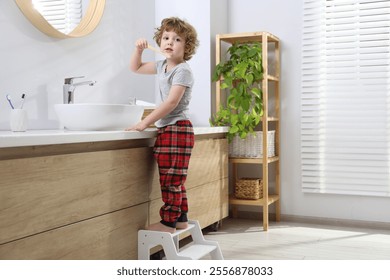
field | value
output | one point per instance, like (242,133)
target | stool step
(198,248)
(180,231)
(196,251)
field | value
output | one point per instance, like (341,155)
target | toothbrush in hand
(9,101)
(156,50)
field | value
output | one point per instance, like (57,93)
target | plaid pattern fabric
(172,151)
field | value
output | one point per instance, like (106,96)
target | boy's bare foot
(181,225)
(160,227)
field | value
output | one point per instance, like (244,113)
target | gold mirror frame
(87,24)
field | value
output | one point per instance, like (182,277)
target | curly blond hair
(183,29)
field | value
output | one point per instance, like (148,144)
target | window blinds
(345,111)
(63,15)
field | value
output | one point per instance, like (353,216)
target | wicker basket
(252,145)
(249,188)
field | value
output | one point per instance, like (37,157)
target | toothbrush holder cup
(18,120)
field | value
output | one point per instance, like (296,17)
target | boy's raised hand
(141,44)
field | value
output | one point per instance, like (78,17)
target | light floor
(244,239)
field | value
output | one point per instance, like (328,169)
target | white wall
(283,18)
(35,64)
(219,25)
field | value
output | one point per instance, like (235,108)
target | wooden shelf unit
(270,45)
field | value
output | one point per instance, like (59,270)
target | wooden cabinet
(270,119)
(88,200)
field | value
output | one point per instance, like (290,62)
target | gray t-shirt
(181,74)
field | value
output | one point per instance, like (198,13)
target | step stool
(199,248)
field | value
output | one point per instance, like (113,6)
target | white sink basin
(87,116)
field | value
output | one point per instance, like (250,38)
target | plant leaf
(224,85)
(233,129)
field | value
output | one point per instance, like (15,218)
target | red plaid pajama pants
(172,151)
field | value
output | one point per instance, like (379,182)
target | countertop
(52,137)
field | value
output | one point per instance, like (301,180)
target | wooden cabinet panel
(209,203)
(209,162)
(41,193)
(110,236)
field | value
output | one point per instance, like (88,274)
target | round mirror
(63,18)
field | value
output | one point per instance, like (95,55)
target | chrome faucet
(69,88)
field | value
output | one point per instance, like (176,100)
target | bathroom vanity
(84,195)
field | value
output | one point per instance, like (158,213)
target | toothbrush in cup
(22,103)
(10,101)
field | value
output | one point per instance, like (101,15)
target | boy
(178,41)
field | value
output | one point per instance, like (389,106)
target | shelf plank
(265,77)
(252,160)
(247,37)
(272,78)
(258,202)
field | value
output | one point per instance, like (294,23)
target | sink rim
(88,116)
(98,104)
